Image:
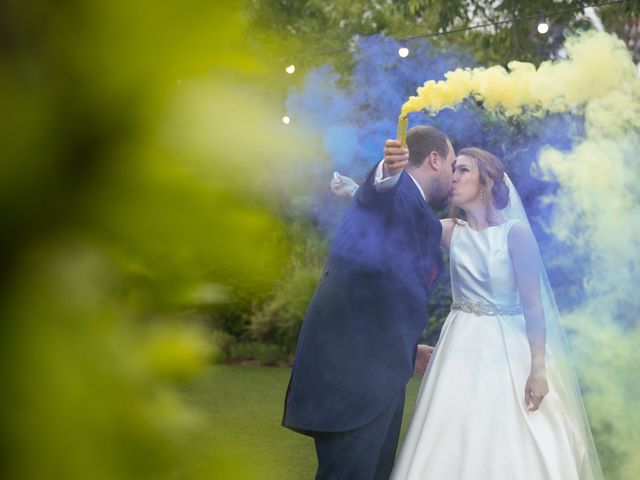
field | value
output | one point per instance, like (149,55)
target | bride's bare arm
(525,258)
(447,230)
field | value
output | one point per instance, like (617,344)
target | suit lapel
(428,238)
(410,184)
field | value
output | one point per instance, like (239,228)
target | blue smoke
(353,117)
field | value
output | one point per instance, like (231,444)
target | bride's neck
(480,217)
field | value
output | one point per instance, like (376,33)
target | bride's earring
(481,195)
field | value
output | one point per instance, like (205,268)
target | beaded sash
(481,308)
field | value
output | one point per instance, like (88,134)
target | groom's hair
(422,140)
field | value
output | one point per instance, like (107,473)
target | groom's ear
(434,160)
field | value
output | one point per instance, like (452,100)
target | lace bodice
(481,268)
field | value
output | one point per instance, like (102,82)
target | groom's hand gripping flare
(396,157)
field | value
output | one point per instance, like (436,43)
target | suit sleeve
(370,195)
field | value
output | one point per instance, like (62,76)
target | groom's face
(444,178)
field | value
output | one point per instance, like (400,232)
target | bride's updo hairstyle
(495,190)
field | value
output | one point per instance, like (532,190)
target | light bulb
(286,120)
(290,69)
(403,52)
(543,27)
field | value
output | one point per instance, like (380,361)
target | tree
(318,31)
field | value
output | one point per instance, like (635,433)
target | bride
(499,399)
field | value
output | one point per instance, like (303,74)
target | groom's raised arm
(396,157)
(386,174)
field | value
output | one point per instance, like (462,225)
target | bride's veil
(560,371)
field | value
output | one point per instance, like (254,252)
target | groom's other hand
(342,185)
(423,356)
(396,157)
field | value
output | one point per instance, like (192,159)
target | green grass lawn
(240,435)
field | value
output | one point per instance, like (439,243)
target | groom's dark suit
(357,345)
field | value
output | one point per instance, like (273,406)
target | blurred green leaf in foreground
(134,163)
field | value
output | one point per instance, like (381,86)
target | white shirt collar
(382,184)
(419,187)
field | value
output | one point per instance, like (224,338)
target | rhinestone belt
(480,308)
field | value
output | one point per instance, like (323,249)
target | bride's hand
(423,356)
(343,186)
(535,390)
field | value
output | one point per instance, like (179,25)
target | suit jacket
(358,341)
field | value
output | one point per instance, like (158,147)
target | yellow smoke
(596,212)
(595,66)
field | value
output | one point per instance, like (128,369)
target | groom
(358,342)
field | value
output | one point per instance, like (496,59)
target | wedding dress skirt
(470,421)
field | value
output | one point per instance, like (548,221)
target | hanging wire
(464,29)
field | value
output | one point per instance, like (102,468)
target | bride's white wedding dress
(470,421)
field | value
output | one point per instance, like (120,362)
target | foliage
(280,319)
(224,343)
(233,314)
(439,307)
(265,354)
(624,21)
(306,24)
(132,191)
(271,313)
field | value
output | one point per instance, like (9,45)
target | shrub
(264,354)
(279,321)
(224,343)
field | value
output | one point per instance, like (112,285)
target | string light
(543,28)
(543,25)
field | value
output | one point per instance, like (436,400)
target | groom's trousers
(365,453)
